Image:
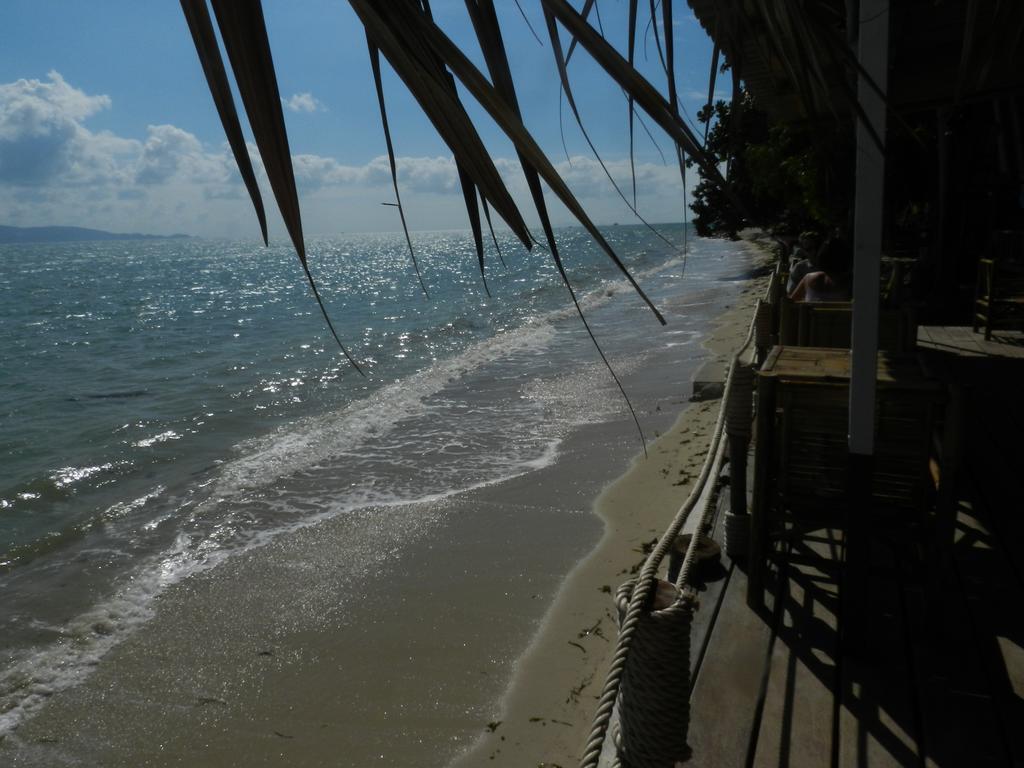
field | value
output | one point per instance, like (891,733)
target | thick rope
(640,598)
(738,417)
(711,499)
(654,704)
(737,535)
(707,549)
(739,410)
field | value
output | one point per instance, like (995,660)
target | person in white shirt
(829,279)
(802,259)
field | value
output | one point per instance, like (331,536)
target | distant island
(69,235)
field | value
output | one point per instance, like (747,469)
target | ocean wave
(69,476)
(148,442)
(68,534)
(300,473)
(313,440)
(28,684)
(56,485)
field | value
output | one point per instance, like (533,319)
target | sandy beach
(546,714)
(389,636)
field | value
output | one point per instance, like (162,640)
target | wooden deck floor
(962,341)
(938,679)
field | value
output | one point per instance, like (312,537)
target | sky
(106,122)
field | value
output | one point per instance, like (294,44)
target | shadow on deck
(936,675)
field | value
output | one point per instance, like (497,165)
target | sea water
(166,404)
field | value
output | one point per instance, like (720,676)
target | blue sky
(105,121)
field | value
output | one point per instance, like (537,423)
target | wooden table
(801,457)
(829,365)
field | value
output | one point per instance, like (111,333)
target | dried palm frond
(646,96)
(630,58)
(673,95)
(528,24)
(469,191)
(409,35)
(485,21)
(429,63)
(418,65)
(652,25)
(425,59)
(198,19)
(245,38)
(584,12)
(490,226)
(375,66)
(712,78)
(561,62)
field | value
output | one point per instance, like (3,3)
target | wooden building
(878,619)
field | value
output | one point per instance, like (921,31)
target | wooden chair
(828,323)
(999,296)
(801,459)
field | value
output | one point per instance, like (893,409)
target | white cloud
(32,106)
(55,170)
(41,136)
(429,175)
(433,199)
(439,175)
(171,153)
(304,102)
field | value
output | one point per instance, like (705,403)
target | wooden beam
(873,53)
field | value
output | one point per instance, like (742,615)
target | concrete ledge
(709,381)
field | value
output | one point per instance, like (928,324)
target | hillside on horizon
(10,234)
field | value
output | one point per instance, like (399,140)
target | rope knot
(654,696)
(739,408)
(737,534)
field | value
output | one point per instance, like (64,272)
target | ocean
(166,405)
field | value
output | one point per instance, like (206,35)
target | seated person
(829,279)
(803,259)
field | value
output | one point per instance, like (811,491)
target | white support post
(873,54)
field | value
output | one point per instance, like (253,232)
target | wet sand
(386,637)
(547,712)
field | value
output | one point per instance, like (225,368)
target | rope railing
(738,421)
(643,589)
(635,599)
(711,497)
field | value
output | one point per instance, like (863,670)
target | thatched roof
(798,62)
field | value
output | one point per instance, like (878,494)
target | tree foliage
(778,173)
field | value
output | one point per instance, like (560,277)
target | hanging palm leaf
(490,226)
(245,38)
(429,63)
(375,66)
(645,94)
(673,95)
(485,21)
(631,52)
(561,63)
(199,24)
(711,90)
(417,64)
(409,34)
(469,192)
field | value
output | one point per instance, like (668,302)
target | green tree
(777,172)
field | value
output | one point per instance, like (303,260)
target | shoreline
(386,636)
(547,709)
